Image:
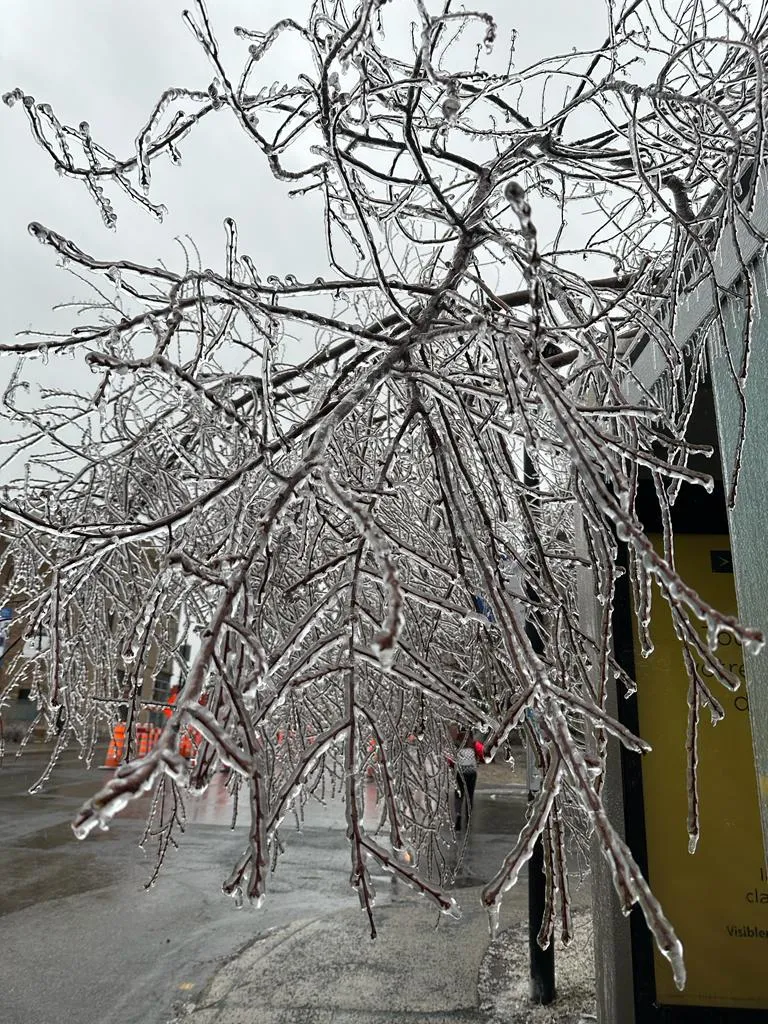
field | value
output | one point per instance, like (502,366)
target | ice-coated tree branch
(352,538)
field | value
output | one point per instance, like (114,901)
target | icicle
(494,911)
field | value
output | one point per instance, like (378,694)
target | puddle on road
(31,879)
(53,836)
(467,882)
(46,838)
(498,817)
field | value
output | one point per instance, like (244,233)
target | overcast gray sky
(107,63)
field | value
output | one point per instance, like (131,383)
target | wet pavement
(83,941)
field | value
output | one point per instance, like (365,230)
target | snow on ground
(503,982)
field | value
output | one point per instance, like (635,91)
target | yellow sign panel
(716,898)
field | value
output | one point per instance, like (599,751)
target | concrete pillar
(748,520)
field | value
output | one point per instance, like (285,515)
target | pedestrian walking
(465,761)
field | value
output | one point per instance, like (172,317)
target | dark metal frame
(693,513)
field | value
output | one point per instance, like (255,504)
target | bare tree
(333,525)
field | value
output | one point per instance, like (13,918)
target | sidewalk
(422,969)
(419,970)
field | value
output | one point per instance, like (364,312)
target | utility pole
(541,961)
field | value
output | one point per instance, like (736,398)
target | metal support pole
(542,961)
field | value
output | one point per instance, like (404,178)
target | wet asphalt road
(82,942)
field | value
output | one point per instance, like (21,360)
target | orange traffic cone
(186,747)
(116,747)
(142,740)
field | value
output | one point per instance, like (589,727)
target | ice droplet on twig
(453,910)
(674,954)
(451,106)
(38,232)
(713,634)
(384,649)
(494,911)
(753,643)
